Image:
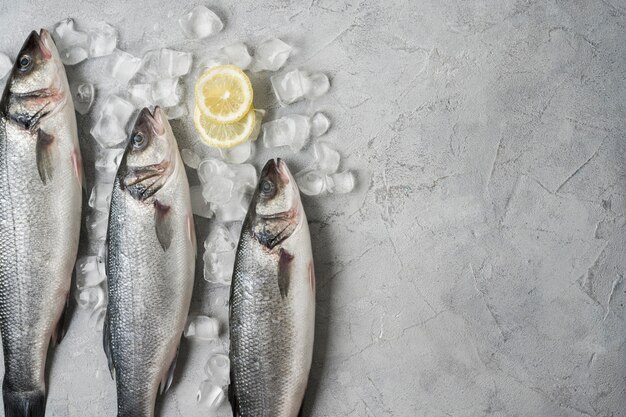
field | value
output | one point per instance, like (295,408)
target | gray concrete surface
(478,268)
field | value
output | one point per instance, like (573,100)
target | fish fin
(24,403)
(45,160)
(162,221)
(232,397)
(64,319)
(106,343)
(169,376)
(77,165)
(284,265)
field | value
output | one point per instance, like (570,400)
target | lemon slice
(224,94)
(221,135)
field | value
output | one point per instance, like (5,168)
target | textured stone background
(478,268)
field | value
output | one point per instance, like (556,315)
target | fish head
(276,209)
(34,87)
(149,158)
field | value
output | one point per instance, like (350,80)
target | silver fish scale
(149,295)
(262,335)
(39,232)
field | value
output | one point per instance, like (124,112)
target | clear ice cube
(238,154)
(289,87)
(73,55)
(96,319)
(88,272)
(238,55)
(140,95)
(166,92)
(100,198)
(217,189)
(319,124)
(107,162)
(83,95)
(220,240)
(124,66)
(280,132)
(317,85)
(176,112)
(311,181)
(211,167)
(214,61)
(190,158)
(97,223)
(199,206)
(200,22)
(5,65)
(174,63)
(90,297)
(210,396)
(110,129)
(326,158)
(202,327)
(102,39)
(234,210)
(271,55)
(218,267)
(244,176)
(218,369)
(341,182)
(302,131)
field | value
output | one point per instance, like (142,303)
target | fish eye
(139,140)
(267,189)
(25,62)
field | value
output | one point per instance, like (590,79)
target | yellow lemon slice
(221,135)
(224,94)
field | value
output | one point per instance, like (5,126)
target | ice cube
(83,95)
(151,65)
(190,158)
(71,43)
(326,158)
(238,55)
(218,369)
(235,231)
(214,61)
(140,95)
(238,154)
(5,65)
(311,181)
(165,92)
(202,327)
(258,121)
(271,55)
(100,198)
(102,39)
(341,182)
(316,86)
(244,176)
(234,210)
(319,124)
(280,132)
(110,129)
(210,396)
(124,66)
(200,22)
(302,131)
(176,112)
(88,272)
(96,319)
(90,297)
(199,206)
(107,162)
(73,55)
(174,63)
(219,240)
(217,189)
(209,168)
(218,267)
(289,87)
(97,223)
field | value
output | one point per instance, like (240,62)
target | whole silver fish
(40,213)
(150,265)
(272,301)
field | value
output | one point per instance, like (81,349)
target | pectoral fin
(106,343)
(45,150)
(163,224)
(169,376)
(62,324)
(284,268)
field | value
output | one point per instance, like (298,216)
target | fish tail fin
(24,403)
